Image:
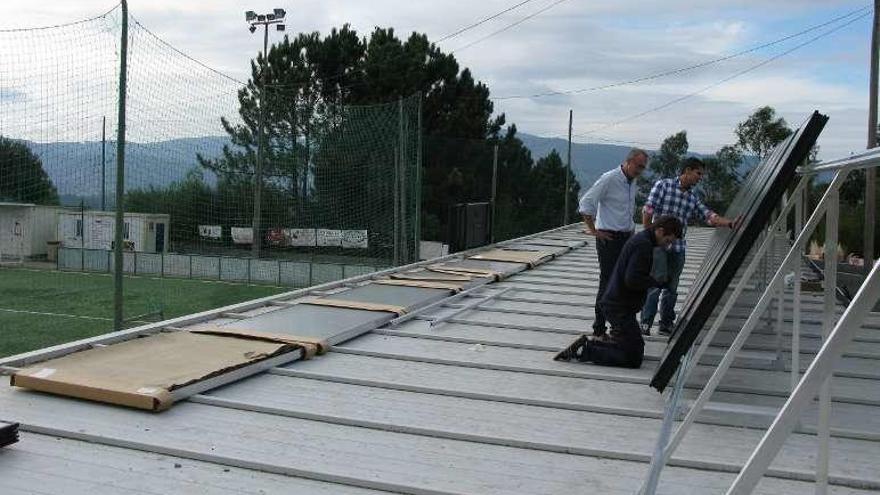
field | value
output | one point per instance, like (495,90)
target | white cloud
(575,45)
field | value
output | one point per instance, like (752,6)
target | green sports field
(39,308)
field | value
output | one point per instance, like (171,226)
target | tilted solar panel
(760,193)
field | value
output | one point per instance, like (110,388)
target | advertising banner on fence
(210,231)
(301,237)
(242,235)
(328,237)
(354,239)
(276,238)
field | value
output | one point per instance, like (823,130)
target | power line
(509,26)
(184,55)
(726,79)
(680,70)
(66,24)
(482,21)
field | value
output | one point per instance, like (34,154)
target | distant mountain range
(588,160)
(75,168)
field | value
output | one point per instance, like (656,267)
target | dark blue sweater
(631,277)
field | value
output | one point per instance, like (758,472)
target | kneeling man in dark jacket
(624,297)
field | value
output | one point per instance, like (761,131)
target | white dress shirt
(611,201)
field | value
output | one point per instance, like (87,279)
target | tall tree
(667,162)
(22,177)
(721,180)
(761,132)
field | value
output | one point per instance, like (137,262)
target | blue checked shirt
(667,198)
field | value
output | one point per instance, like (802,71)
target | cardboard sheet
(143,372)
(458,270)
(424,284)
(433,275)
(311,345)
(368,306)
(533,258)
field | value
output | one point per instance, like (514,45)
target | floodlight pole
(265,21)
(258,172)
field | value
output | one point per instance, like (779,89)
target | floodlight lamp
(270,17)
(279,27)
(261,18)
(250,15)
(252,28)
(280,13)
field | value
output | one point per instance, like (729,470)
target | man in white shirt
(608,209)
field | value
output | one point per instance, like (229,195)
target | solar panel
(760,193)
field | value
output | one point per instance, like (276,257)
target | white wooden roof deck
(475,405)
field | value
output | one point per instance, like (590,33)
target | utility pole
(568,166)
(265,20)
(494,192)
(871,173)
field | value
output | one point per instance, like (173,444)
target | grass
(40,308)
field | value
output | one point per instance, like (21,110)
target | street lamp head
(250,15)
(279,27)
(279,13)
(261,18)
(252,28)
(270,17)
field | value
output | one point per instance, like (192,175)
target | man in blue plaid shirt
(675,197)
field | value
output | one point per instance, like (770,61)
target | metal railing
(278,272)
(836,333)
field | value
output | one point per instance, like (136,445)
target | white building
(26,229)
(142,232)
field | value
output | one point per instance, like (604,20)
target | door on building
(160,237)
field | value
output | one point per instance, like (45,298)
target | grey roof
(475,405)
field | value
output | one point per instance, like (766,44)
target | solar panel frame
(760,193)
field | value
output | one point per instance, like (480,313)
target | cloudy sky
(574,45)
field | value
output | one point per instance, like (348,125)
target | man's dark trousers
(608,252)
(626,347)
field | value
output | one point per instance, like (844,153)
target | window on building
(126,230)
(79,228)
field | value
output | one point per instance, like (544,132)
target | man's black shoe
(574,351)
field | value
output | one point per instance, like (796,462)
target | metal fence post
(120,172)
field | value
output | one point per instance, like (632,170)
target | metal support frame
(420,312)
(799,198)
(823,431)
(815,377)
(669,414)
(744,281)
(756,314)
(467,307)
